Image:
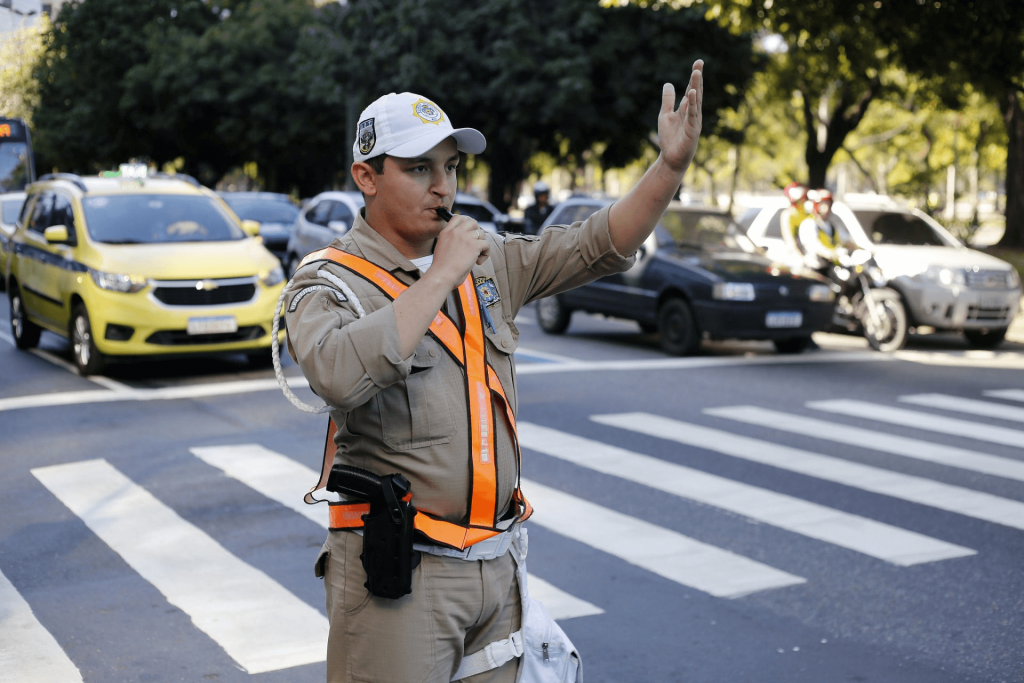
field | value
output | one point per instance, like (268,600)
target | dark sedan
(274,212)
(697,277)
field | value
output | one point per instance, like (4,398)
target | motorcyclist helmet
(540,187)
(795,193)
(823,203)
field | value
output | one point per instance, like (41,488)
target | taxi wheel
(677,329)
(87,358)
(552,315)
(25,333)
(985,339)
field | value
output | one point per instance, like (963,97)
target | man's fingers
(485,253)
(668,98)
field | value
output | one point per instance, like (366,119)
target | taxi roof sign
(129,171)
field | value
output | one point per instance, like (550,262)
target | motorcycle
(866,305)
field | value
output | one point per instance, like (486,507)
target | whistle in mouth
(443,213)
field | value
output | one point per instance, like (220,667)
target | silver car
(324,217)
(944,284)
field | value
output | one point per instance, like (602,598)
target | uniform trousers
(456,607)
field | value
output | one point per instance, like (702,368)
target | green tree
(20,52)
(81,124)
(536,76)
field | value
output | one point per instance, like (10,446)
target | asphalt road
(735,516)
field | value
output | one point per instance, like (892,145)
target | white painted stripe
(559,604)
(260,624)
(7,338)
(284,480)
(1003,360)
(967,405)
(545,355)
(268,472)
(874,440)
(669,554)
(923,421)
(1008,394)
(28,652)
(919,490)
(882,541)
(162,394)
(701,362)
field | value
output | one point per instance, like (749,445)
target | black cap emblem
(367,136)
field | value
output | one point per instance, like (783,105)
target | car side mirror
(338,226)
(56,234)
(251,227)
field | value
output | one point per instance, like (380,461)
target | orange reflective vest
(483,389)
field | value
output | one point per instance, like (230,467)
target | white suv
(944,284)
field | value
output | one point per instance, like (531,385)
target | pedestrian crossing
(262,626)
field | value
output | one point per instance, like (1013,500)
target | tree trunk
(845,116)
(1013,115)
(506,172)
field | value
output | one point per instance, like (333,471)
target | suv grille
(190,296)
(988,279)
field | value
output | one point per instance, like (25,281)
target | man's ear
(365,178)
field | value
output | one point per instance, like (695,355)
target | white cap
(406,125)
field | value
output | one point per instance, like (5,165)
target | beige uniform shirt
(410,415)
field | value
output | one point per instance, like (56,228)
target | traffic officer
(535,214)
(386,325)
(822,241)
(793,217)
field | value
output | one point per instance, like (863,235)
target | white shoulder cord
(275,347)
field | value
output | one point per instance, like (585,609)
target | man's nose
(439,183)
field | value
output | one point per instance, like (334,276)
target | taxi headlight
(275,276)
(1012,279)
(820,293)
(733,291)
(118,283)
(947,277)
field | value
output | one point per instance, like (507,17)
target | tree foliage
(281,82)
(20,52)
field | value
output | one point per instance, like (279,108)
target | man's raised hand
(679,129)
(460,246)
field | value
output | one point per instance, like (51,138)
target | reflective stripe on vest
(482,385)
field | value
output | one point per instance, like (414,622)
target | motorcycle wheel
(894,330)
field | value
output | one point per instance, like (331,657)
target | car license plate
(777,319)
(992,301)
(215,325)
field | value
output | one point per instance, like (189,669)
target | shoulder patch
(306,291)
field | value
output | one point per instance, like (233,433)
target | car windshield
(263,210)
(9,209)
(893,227)
(477,212)
(705,230)
(150,219)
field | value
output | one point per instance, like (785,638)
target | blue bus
(17,167)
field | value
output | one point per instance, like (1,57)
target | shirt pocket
(417,412)
(505,336)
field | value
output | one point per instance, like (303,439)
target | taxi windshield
(264,210)
(157,218)
(705,230)
(9,210)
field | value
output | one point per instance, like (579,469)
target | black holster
(388,557)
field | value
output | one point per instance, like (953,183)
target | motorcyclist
(822,241)
(535,214)
(793,216)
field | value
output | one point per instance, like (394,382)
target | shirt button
(504,343)
(433,353)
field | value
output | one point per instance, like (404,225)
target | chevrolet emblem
(206,285)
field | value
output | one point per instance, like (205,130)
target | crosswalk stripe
(1008,394)
(666,553)
(284,480)
(966,405)
(873,440)
(260,624)
(919,490)
(876,539)
(28,652)
(924,421)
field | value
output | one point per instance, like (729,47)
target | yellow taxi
(131,264)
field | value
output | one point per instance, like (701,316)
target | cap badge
(427,112)
(367,136)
